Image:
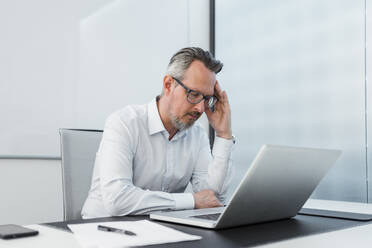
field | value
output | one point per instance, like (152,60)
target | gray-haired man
(149,153)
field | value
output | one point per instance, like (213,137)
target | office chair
(78,152)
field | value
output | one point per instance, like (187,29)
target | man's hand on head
(220,119)
(206,199)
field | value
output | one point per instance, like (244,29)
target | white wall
(72,63)
(45,46)
(30,191)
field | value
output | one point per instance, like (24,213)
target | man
(149,153)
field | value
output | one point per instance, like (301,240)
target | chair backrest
(78,152)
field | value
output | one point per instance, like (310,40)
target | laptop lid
(277,184)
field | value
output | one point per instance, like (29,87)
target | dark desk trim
(244,236)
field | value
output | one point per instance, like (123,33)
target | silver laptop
(276,186)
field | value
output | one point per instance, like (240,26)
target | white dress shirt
(138,170)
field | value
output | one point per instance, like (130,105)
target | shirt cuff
(222,147)
(183,200)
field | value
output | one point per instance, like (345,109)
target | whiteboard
(68,70)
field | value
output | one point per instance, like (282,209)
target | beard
(183,125)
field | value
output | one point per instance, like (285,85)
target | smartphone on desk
(12,231)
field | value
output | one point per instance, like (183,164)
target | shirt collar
(154,122)
(180,134)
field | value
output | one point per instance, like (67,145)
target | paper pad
(148,233)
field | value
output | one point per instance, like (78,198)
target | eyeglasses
(194,97)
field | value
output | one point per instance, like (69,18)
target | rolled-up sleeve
(214,170)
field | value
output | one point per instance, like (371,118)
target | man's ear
(167,84)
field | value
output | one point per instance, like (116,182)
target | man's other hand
(206,199)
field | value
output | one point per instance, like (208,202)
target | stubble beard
(178,123)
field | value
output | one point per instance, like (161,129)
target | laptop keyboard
(208,216)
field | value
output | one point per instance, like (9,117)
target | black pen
(115,230)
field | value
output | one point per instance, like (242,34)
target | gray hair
(181,61)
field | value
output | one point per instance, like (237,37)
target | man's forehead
(199,78)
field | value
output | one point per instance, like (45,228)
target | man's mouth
(194,116)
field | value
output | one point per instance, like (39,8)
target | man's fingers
(218,90)
(226,99)
(218,204)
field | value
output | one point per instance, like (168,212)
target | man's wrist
(225,135)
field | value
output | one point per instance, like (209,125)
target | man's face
(197,77)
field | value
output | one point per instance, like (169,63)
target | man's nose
(200,107)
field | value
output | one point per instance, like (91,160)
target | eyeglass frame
(206,98)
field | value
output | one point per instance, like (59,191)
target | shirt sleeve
(115,159)
(214,170)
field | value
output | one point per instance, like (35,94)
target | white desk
(360,236)
(352,237)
